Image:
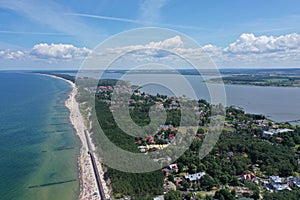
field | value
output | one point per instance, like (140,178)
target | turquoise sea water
(38,145)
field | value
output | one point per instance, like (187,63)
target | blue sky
(235,33)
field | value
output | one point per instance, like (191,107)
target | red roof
(248,176)
(150,139)
(279,139)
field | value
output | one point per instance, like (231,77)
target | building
(143,149)
(194,177)
(230,154)
(279,184)
(267,134)
(295,182)
(276,180)
(283,130)
(166,127)
(249,177)
(173,168)
(159,198)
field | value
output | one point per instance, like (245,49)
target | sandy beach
(88,184)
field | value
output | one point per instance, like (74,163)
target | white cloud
(47,52)
(168,44)
(171,43)
(8,54)
(249,43)
(247,51)
(58,51)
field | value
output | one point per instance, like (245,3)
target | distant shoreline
(263,80)
(245,84)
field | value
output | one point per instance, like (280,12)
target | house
(159,198)
(173,168)
(264,127)
(281,187)
(156,146)
(279,184)
(283,130)
(166,127)
(149,139)
(194,177)
(178,180)
(249,177)
(267,134)
(295,182)
(276,180)
(142,149)
(230,154)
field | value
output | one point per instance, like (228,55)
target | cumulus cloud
(8,54)
(171,51)
(150,49)
(49,52)
(58,51)
(249,43)
(171,43)
(248,50)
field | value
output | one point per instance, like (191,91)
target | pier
(50,184)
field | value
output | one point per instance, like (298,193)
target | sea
(38,146)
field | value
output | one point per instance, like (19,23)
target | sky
(235,34)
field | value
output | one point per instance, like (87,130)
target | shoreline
(88,186)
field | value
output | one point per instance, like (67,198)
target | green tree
(208,197)
(224,194)
(171,178)
(235,181)
(173,195)
(255,194)
(207,182)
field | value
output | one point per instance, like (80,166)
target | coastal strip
(88,181)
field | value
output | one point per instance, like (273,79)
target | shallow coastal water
(38,146)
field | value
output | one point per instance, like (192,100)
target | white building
(194,177)
(267,134)
(279,184)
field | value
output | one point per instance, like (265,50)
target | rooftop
(194,177)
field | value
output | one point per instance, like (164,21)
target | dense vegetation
(273,159)
(290,195)
(259,80)
(140,185)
